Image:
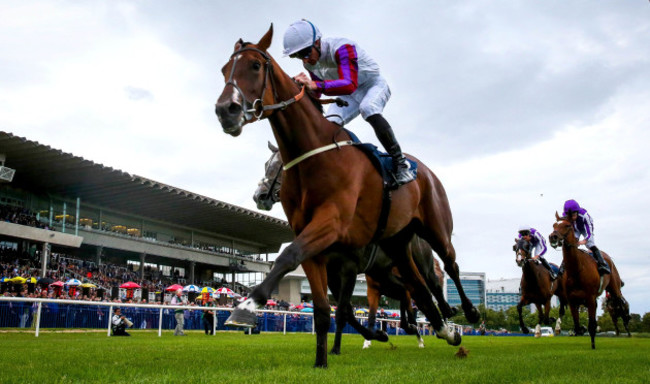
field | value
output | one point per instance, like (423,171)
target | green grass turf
(230,357)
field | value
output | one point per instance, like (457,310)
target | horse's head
(522,251)
(268,189)
(562,233)
(247,74)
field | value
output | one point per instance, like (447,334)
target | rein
(257,107)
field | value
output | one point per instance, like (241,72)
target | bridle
(257,108)
(270,193)
(561,239)
(524,257)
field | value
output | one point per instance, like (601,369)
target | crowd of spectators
(20,216)
(24,216)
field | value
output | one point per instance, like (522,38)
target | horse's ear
(272,147)
(557,217)
(239,44)
(265,41)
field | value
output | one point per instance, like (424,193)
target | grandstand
(89,215)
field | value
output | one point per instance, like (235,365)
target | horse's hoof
(411,330)
(335,351)
(457,339)
(381,336)
(473,315)
(453,311)
(242,318)
(320,365)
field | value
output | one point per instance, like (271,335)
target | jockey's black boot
(603,268)
(386,137)
(548,266)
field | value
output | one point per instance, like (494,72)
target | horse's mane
(316,102)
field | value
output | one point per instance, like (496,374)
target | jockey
(339,67)
(538,246)
(584,225)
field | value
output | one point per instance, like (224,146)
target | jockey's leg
(548,266)
(387,138)
(603,268)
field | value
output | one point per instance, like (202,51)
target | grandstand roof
(42,168)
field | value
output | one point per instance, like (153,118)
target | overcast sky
(516,105)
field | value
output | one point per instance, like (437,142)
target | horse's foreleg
(523,327)
(317,275)
(313,240)
(591,310)
(576,318)
(334,282)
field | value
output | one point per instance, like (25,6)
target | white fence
(18,312)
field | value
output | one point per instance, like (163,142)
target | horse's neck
(530,273)
(571,258)
(300,127)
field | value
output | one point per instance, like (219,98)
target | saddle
(383,163)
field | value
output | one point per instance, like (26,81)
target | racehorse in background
(536,287)
(381,275)
(582,282)
(332,194)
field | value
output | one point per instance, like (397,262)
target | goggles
(302,54)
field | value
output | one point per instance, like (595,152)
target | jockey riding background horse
(582,282)
(536,286)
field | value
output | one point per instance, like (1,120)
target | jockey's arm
(348,71)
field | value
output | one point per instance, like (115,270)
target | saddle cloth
(382,161)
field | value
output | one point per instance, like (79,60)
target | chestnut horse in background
(582,282)
(536,286)
(332,194)
(343,271)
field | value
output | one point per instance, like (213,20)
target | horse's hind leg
(398,248)
(447,254)
(373,304)
(429,268)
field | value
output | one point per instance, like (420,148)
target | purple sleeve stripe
(348,73)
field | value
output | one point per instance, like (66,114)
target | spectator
(178,314)
(208,318)
(119,324)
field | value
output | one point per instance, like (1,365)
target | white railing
(422,325)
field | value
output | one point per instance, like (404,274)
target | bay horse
(582,282)
(333,195)
(381,275)
(536,287)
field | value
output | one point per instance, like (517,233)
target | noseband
(257,108)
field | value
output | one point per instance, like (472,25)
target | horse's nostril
(234,108)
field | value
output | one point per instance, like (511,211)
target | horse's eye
(257,65)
